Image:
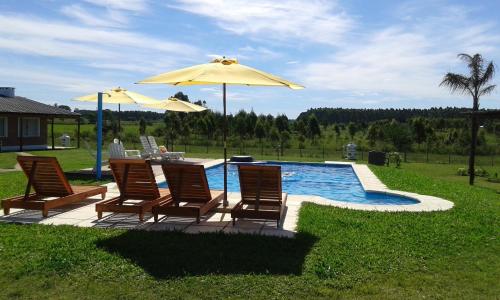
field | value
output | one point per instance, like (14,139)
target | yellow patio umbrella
(118,96)
(174,104)
(221,71)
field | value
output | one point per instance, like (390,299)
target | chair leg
(198,219)
(234,221)
(45,213)
(141,217)
(99,215)
(155,217)
(103,195)
(6,210)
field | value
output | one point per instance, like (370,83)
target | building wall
(11,142)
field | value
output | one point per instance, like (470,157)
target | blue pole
(99,136)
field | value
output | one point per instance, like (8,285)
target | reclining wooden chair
(48,180)
(261,194)
(190,192)
(138,189)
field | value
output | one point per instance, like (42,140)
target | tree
(284,140)
(419,129)
(260,133)
(181,96)
(172,125)
(241,127)
(65,107)
(302,145)
(142,126)
(475,85)
(281,123)
(399,135)
(337,129)
(372,134)
(313,129)
(351,128)
(251,121)
(300,127)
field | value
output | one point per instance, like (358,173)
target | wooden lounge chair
(138,189)
(190,192)
(261,194)
(48,180)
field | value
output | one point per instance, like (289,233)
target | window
(3,127)
(31,127)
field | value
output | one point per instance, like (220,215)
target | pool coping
(370,183)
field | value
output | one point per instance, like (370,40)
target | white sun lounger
(151,150)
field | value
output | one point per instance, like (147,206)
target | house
(24,122)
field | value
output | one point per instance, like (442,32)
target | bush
(462,172)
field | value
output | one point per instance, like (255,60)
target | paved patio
(84,215)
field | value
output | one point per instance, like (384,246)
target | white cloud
(109,18)
(96,47)
(130,5)
(318,21)
(405,61)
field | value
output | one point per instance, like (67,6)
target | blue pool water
(335,182)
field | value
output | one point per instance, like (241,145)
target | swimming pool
(334,182)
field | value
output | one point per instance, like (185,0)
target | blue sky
(357,54)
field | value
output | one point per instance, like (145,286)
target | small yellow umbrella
(174,104)
(221,71)
(118,96)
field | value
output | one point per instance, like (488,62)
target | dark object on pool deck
(241,158)
(376,158)
(261,194)
(190,192)
(47,179)
(136,181)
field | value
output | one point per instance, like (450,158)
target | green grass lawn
(337,253)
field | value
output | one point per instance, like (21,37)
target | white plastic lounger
(165,155)
(117,151)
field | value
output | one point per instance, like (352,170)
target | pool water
(335,182)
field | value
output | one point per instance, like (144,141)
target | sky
(351,54)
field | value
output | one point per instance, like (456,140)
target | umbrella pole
(119,124)
(99,137)
(224,135)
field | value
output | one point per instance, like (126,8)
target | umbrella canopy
(221,71)
(118,96)
(174,104)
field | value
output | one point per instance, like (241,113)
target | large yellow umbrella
(221,71)
(174,104)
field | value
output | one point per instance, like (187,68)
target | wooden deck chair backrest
(45,176)
(187,183)
(260,183)
(135,179)
(152,142)
(116,151)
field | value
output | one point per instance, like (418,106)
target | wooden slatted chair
(48,180)
(138,189)
(261,194)
(191,194)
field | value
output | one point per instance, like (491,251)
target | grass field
(337,253)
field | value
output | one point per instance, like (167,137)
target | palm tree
(475,85)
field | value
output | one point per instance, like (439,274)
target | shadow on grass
(175,254)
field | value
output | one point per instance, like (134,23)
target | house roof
(21,105)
